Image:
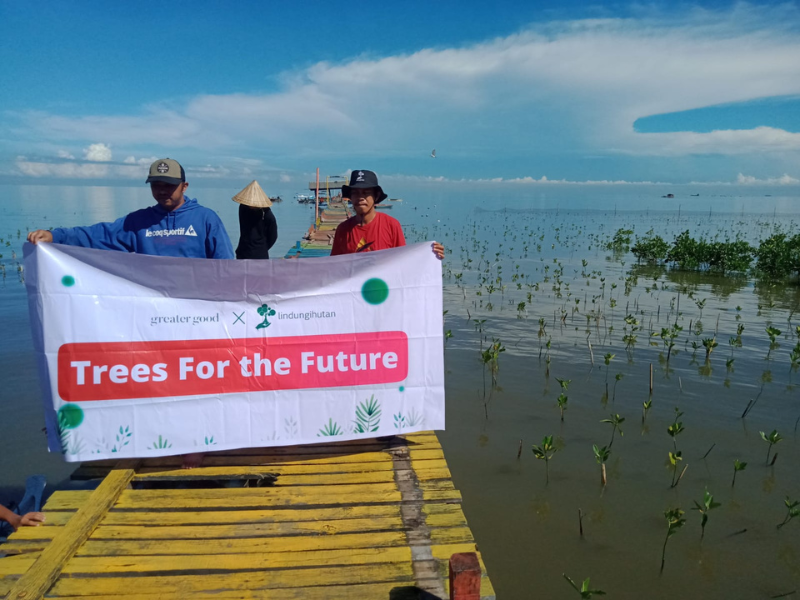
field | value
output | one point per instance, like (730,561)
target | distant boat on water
(395,199)
(668,196)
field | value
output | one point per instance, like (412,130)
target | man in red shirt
(368,230)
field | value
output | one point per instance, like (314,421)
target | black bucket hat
(362,179)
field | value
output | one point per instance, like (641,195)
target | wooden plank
(229,472)
(44,572)
(205,499)
(112,565)
(115,517)
(167,463)
(342,518)
(452,535)
(189,585)
(310,526)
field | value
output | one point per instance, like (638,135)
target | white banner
(153,356)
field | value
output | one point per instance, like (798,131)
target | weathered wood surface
(362,519)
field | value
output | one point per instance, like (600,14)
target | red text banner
(122,370)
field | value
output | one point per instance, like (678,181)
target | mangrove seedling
(615,421)
(772,439)
(491,357)
(562,403)
(608,358)
(792,510)
(617,379)
(674,459)
(737,466)
(675,521)
(709,344)
(584,590)
(601,456)
(674,431)
(773,334)
(704,508)
(545,452)
(562,398)
(646,405)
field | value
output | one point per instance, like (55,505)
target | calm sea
(520,256)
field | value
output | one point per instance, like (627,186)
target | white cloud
(567,88)
(97,153)
(783,180)
(285,178)
(69,170)
(144,162)
(66,155)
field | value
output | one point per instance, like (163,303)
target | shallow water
(526,528)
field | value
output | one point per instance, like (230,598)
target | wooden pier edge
(373,518)
(37,580)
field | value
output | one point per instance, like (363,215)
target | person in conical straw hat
(258,229)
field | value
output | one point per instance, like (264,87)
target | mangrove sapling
(584,590)
(772,439)
(709,344)
(773,334)
(674,431)
(737,466)
(562,398)
(792,510)
(646,406)
(615,421)
(675,521)
(707,506)
(608,357)
(617,379)
(601,456)
(545,452)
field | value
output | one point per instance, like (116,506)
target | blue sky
(545,91)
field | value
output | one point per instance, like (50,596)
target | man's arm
(103,236)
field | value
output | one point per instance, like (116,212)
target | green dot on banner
(402,388)
(375,290)
(70,416)
(68,280)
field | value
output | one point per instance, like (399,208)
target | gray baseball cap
(166,170)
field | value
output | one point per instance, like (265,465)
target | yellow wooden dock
(361,519)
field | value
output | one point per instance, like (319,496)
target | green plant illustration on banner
(290,427)
(70,416)
(331,429)
(399,421)
(123,439)
(161,444)
(266,312)
(411,419)
(368,416)
(210,441)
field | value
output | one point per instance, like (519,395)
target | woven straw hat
(253,196)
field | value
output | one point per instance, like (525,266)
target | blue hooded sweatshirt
(190,230)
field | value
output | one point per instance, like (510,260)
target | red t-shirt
(381,233)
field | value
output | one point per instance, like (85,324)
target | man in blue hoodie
(176,226)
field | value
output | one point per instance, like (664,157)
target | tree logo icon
(266,312)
